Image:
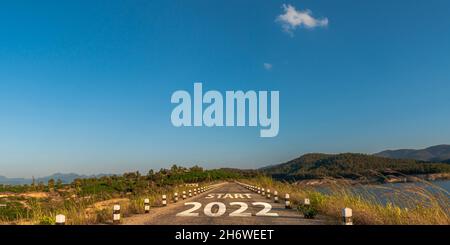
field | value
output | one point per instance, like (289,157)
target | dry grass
(420,203)
(86,210)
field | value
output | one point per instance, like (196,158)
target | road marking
(220,211)
(240,212)
(265,211)
(229,196)
(188,213)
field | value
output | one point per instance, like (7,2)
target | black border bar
(149,234)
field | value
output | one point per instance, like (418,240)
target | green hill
(349,165)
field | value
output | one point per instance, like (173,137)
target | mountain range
(349,165)
(437,153)
(65,178)
(317,165)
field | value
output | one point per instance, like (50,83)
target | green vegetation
(308,211)
(350,165)
(421,203)
(90,200)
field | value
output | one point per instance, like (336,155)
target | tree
(77,184)
(33,183)
(51,184)
(196,168)
(41,186)
(59,183)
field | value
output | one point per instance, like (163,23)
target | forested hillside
(349,165)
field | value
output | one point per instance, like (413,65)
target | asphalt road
(224,204)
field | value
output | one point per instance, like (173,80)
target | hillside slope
(349,165)
(438,153)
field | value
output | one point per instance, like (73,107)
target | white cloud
(268,66)
(292,18)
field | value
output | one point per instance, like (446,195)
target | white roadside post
(146,205)
(190,193)
(306,202)
(116,214)
(175,197)
(195,191)
(275,196)
(347,218)
(60,219)
(184,195)
(268,194)
(263,193)
(288,202)
(164,200)
(259,190)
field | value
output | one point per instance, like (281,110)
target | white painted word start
(229,196)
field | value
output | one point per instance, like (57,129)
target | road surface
(225,204)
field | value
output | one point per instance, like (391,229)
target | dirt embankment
(26,194)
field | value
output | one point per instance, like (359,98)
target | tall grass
(83,210)
(422,203)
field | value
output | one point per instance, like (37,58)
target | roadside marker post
(288,202)
(116,214)
(146,205)
(306,202)
(184,195)
(268,194)
(190,193)
(259,190)
(60,219)
(275,196)
(175,197)
(263,192)
(195,191)
(347,218)
(164,200)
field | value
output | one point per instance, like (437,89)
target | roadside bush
(46,220)
(308,211)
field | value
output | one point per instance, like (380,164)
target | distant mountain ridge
(349,165)
(437,153)
(65,178)
(318,165)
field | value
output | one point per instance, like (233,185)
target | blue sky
(85,86)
